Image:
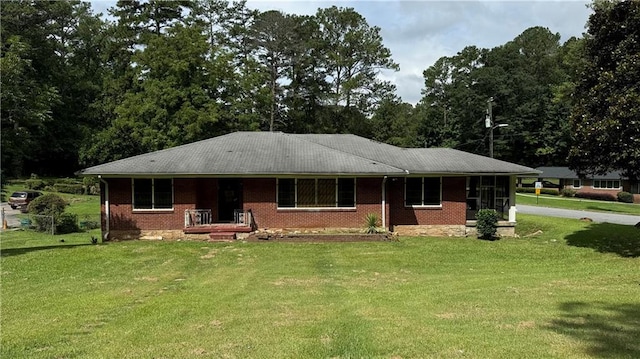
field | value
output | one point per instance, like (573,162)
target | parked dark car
(21,199)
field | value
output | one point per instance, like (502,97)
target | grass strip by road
(577,204)
(564,289)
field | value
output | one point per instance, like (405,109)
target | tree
(353,57)
(605,121)
(51,73)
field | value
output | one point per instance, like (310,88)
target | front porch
(199,221)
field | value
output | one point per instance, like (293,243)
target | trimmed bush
(625,197)
(47,205)
(487,223)
(67,181)
(67,223)
(549,191)
(69,188)
(34,184)
(597,196)
(567,192)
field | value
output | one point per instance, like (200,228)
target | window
(316,192)
(635,188)
(152,193)
(606,184)
(577,183)
(422,191)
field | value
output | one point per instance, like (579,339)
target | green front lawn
(577,203)
(564,289)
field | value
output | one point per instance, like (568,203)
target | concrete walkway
(626,219)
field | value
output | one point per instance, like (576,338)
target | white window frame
(422,195)
(573,183)
(153,196)
(606,187)
(295,189)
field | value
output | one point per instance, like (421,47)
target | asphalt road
(570,213)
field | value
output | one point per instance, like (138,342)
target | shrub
(549,191)
(625,197)
(67,223)
(597,196)
(567,192)
(371,223)
(50,205)
(67,181)
(487,223)
(34,184)
(91,185)
(69,188)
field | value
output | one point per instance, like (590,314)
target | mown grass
(577,204)
(564,289)
(81,205)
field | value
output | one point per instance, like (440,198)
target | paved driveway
(11,215)
(570,213)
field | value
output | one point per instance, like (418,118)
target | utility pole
(488,123)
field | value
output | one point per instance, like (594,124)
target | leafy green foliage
(567,192)
(550,191)
(371,223)
(606,117)
(50,205)
(597,196)
(625,197)
(486,223)
(67,223)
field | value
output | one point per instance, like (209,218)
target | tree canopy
(80,88)
(605,122)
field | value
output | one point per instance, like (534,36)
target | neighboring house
(284,182)
(611,183)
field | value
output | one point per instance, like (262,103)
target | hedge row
(597,196)
(550,191)
(87,185)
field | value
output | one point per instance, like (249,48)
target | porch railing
(203,217)
(197,217)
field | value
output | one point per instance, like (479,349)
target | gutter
(384,200)
(107,211)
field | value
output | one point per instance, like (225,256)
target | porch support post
(512,199)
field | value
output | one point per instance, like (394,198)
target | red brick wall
(452,212)
(259,195)
(189,193)
(260,198)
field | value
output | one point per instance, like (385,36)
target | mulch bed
(349,237)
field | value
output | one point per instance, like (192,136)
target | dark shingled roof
(565,172)
(275,153)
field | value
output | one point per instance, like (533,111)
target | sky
(418,33)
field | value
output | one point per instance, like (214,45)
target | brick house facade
(157,195)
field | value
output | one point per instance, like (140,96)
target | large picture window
(423,191)
(606,184)
(316,192)
(152,193)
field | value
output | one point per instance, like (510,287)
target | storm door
(229,198)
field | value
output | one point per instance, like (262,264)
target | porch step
(222,236)
(226,228)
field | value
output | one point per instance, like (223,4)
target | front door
(229,198)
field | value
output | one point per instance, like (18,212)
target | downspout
(384,200)
(107,212)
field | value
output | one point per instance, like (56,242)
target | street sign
(538,188)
